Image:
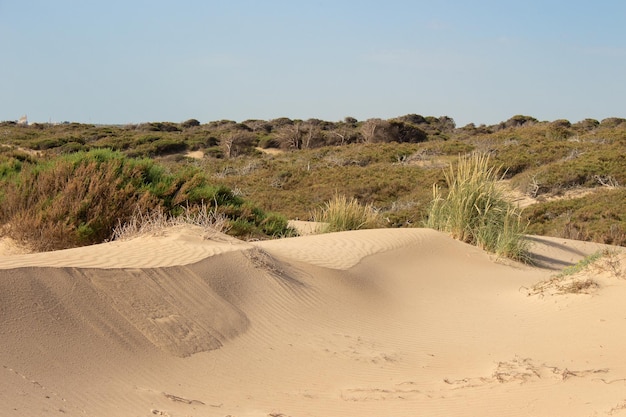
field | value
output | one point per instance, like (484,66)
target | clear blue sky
(477,61)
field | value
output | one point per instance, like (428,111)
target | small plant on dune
(604,260)
(580,265)
(341,214)
(580,278)
(613,263)
(476,211)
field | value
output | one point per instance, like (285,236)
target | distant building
(23,121)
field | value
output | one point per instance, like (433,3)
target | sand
(393,322)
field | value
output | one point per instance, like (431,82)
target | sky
(482,62)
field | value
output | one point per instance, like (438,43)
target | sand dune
(399,322)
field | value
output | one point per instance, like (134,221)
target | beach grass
(475,210)
(342,213)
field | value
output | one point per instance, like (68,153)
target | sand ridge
(382,322)
(178,245)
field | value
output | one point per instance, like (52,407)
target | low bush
(598,217)
(276,225)
(161,146)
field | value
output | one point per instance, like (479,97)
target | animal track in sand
(617,409)
(381,394)
(359,349)
(55,399)
(521,370)
(518,370)
(178,399)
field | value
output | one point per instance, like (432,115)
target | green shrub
(10,167)
(475,210)
(47,143)
(71,147)
(190,123)
(274,224)
(242,228)
(159,146)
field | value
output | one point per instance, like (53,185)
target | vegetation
(262,172)
(342,213)
(77,199)
(582,264)
(475,210)
(583,277)
(599,216)
(156,220)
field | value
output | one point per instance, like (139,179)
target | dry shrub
(613,262)
(582,286)
(78,200)
(65,205)
(564,284)
(157,220)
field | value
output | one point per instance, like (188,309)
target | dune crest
(179,245)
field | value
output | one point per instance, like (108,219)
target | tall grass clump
(476,211)
(341,213)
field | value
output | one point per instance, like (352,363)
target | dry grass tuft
(560,285)
(342,213)
(157,220)
(580,286)
(575,279)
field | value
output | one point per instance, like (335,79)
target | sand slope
(399,322)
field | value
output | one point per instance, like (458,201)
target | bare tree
(345,133)
(237,143)
(374,130)
(291,136)
(311,135)
(342,135)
